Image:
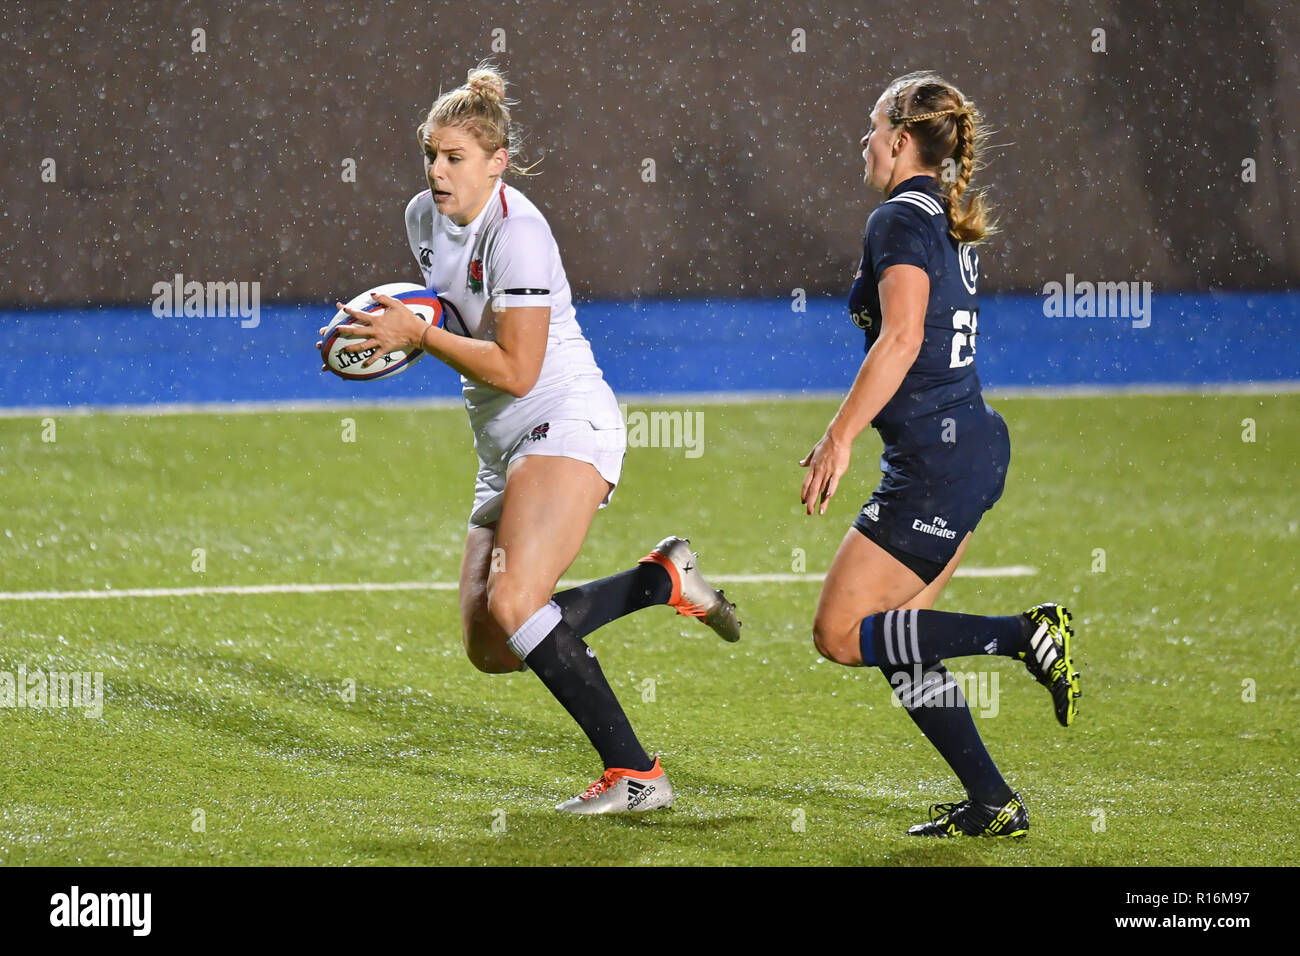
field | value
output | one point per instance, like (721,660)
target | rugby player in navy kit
(945,454)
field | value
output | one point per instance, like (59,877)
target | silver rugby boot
(692,595)
(623,791)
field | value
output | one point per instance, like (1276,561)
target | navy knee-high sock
(594,604)
(568,668)
(930,695)
(916,636)
(936,704)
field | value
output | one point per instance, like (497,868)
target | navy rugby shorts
(938,481)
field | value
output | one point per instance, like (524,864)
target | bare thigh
(548,507)
(510,570)
(865,579)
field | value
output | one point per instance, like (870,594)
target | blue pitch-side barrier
(125,355)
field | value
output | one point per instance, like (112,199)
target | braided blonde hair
(949,132)
(479,106)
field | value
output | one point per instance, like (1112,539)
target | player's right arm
(520,266)
(904,296)
(511,363)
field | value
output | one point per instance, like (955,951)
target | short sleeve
(521,264)
(898,234)
(413,225)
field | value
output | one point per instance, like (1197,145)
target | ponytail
(949,134)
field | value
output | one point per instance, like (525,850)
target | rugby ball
(423,302)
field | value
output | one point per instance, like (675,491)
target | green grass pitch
(237,706)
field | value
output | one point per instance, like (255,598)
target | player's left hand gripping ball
(351,365)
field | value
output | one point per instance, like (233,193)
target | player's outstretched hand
(828,460)
(391,328)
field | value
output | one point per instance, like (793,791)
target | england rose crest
(476,275)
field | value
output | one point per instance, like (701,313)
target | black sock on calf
(570,672)
(916,635)
(936,704)
(594,604)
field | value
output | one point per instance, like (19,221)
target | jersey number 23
(963,339)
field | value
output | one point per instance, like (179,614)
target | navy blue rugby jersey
(911,228)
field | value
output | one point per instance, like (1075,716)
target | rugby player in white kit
(549,435)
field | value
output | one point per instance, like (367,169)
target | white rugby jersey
(508,257)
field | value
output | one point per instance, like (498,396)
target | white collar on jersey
(460,233)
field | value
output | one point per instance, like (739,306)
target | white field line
(1011,571)
(633,398)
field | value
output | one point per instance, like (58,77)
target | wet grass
(349,728)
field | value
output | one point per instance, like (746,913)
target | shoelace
(938,810)
(607,780)
(689,609)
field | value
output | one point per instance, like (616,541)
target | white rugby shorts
(602,447)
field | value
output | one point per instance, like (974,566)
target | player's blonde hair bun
(479,106)
(487,83)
